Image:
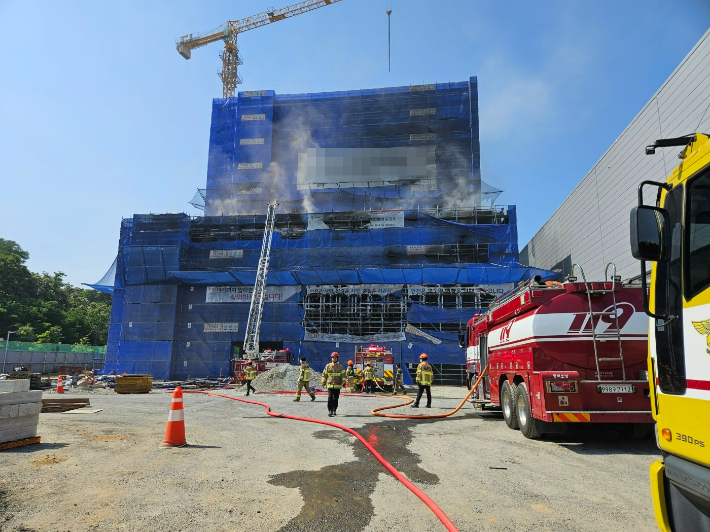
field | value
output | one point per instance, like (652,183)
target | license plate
(616,388)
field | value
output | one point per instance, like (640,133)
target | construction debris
(283,378)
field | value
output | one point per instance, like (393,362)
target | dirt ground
(243,470)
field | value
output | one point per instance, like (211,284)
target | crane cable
(399,476)
(375,411)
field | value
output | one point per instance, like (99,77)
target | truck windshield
(698,245)
(669,302)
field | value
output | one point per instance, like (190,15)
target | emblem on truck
(581,323)
(505,331)
(703,327)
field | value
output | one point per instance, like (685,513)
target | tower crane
(228,33)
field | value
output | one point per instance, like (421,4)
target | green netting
(59,348)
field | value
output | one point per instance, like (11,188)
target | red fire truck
(561,353)
(267,360)
(381,359)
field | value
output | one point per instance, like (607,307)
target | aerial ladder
(251,338)
(228,33)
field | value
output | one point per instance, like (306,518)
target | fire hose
(399,476)
(375,411)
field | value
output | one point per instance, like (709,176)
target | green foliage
(45,309)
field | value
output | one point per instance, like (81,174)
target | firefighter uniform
(250,375)
(398,382)
(369,373)
(350,376)
(304,378)
(333,375)
(425,376)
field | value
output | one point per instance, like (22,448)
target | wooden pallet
(19,443)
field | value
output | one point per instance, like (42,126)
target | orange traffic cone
(60,386)
(175,431)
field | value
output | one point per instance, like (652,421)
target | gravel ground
(243,470)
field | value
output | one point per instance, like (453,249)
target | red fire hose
(419,493)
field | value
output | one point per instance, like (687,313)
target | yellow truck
(674,235)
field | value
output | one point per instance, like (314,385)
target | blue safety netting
(259,139)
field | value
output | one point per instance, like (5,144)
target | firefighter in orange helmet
(333,375)
(250,375)
(350,376)
(369,374)
(425,376)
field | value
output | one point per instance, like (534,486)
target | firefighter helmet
(249,361)
(334,354)
(350,362)
(423,356)
(369,363)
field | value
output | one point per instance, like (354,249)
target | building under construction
(384,234)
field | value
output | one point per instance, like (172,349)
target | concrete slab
(13,386)
(33,396)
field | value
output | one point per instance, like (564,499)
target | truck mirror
(650,233)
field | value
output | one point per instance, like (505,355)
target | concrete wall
(591,227)
(49,362)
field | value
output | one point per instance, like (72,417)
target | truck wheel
(632,431)
(470,380)
(527,423)
(507,403)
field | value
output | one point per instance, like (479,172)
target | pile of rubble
(283,378)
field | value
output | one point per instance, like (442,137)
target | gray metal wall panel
(591,227)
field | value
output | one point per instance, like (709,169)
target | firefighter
(399,381)
(350,376)
(304,378)
(425,376)
(333,375)
(369,373)
(250,374)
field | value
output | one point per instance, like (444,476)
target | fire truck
(267,360)
(381,359)
(561,353)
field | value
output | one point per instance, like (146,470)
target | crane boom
(228,33)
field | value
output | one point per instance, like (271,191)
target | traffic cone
(175,431)
(60,386)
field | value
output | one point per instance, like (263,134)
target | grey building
(591,227)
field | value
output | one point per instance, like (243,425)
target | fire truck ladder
(615,313)
(251,338)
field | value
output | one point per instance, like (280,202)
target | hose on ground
(375,411)
(419,493)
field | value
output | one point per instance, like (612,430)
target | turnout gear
(425,376)
(398,382)
(304,378)
(350,377)
(249,375)
(369,374)
(333,375)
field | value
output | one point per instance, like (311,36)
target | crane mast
(228,33)
(251,338)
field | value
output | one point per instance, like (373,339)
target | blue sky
(101,118)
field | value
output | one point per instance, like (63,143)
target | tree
(31,302)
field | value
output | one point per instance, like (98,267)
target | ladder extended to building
(251,338)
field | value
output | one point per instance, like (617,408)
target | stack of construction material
(19,413)
(63,404)
(34,378)
(133,383)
